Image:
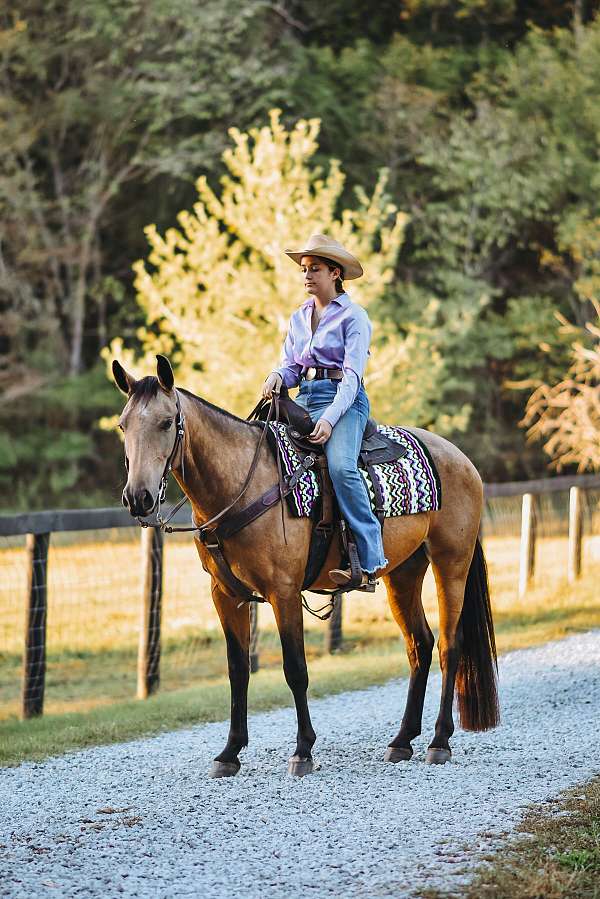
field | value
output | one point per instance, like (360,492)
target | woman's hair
(331,265)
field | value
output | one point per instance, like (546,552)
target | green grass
(81,680)
(555,856)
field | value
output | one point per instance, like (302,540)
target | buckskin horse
(209,452)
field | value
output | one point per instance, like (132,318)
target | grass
(93,626)
(555,856)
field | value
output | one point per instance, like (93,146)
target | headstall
(162,489)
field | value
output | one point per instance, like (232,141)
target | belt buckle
(311,373)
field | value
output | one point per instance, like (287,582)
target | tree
(218,291)
(482,197)
(566,415)
(108,109)
(483,21)
(96,95)
(499,187)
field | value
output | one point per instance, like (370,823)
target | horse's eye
(166,424)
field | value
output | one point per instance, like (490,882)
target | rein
(273,415)
(215,526)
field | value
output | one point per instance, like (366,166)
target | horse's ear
(166,378)
(125,381)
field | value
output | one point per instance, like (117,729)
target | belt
(319,374)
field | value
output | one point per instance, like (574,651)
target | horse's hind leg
(450,573)
(404,594)
(236,627)
(288,614)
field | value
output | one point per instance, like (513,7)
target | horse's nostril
(147,501)
(124,500)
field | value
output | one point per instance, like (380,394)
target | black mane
(145,389)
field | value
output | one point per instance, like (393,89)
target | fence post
(34,656)
(575,534)
(528,535)
(334,631)
(148,673)
(254,662)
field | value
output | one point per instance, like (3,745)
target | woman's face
(319,281)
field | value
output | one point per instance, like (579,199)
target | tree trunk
(78,310)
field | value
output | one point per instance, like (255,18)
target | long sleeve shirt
(341,340)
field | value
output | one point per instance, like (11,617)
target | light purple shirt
(341,340)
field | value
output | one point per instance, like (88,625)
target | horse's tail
(477,674)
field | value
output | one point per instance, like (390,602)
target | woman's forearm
(346,394)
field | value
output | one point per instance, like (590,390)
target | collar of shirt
(342,300)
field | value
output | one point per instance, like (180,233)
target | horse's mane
(218,409)
(147,388)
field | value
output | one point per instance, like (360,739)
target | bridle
(162,488)
(206,526)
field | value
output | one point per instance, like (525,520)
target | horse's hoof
(298,767)
(437,756)
(224,769)
(398,754)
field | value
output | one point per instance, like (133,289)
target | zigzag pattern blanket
(409,484)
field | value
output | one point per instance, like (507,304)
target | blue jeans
(342,451)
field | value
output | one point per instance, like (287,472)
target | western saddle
(375,449)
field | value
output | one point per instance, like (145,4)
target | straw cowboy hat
(321,245)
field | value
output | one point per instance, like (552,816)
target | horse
(209,456)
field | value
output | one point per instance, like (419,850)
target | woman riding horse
(210,451)
(325,352)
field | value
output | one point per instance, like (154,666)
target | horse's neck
(218,452)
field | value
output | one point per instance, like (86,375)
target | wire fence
(105,627)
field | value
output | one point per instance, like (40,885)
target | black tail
(477,675)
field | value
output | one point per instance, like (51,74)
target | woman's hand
(321,433)
(272,385)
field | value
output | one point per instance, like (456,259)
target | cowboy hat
(321,245)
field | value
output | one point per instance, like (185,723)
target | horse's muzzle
(139,502)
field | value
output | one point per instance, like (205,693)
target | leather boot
(343,576)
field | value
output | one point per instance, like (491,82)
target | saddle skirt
(399,473)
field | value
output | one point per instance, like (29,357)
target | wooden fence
(529,491)
(38,527)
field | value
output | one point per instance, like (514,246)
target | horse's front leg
(288,614)
(236,627)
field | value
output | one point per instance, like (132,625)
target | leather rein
(220,526)
(163,523)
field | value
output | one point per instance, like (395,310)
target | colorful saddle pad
(408,485)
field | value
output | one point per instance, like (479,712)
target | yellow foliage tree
(566,416)
(218,291)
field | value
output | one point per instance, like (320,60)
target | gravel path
(143,819)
